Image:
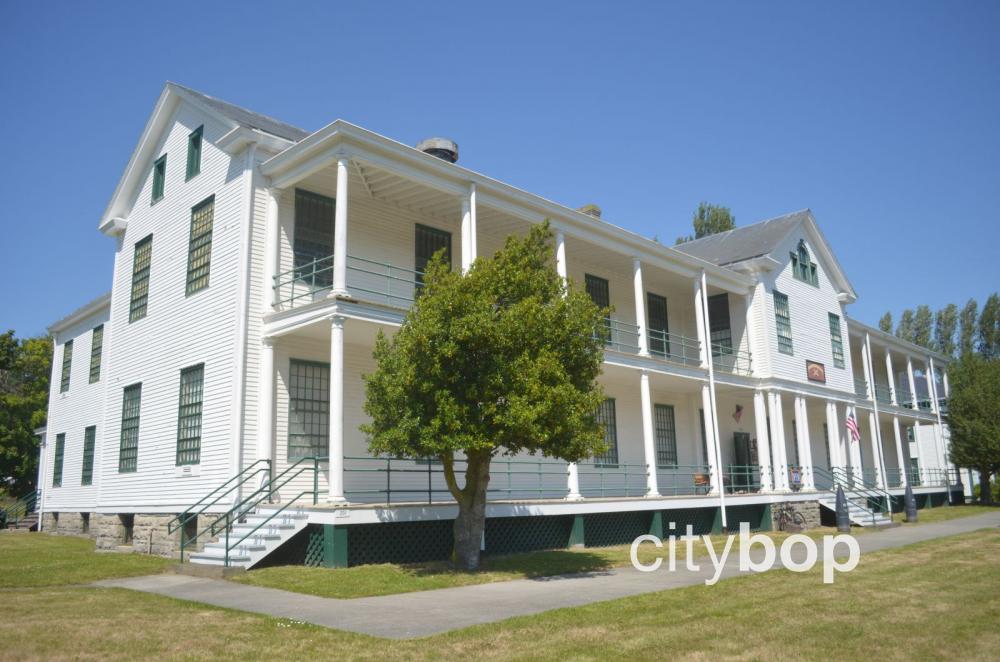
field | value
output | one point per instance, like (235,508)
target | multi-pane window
(194,153)
(128,450)
(89,437)
(659,330)
(836,341)
(159,177)
(189,415)
(200,246)
(783,321)
(67,366)
(719,326)
(96,346)
(606,419)
(803,268)
(429,241)
(57,461)
(666,435)
(600,293)
(313,249)
(140,279)
(308,409)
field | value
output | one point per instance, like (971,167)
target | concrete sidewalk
(424,613)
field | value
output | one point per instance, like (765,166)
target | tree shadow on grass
(541,564)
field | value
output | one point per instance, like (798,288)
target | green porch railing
(875,500)
(371,280)
(304,281)
(261,469)
(619,336)
(674,347)
(861,388)
(924,404)
(731,360)
(742,479)
(684,479)
(883,394)
(612,480)
(13,513)
(904,398)
(893,478)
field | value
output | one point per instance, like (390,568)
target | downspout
(711,393)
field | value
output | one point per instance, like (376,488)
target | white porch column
(931,383)
(466,234)
(763,442)
(855,447)
(749,331)
(561,268)
(272,249)
(805,445)
(892,379)
(944,380)
(335,493)
(876,465)
(572,473)
(913,383)
(648,440)
(340,231)
(900,458)
(833,436)
(265,408)
(778,441)
(474,231)
(701,324)
(932,393)
(713,459)
(640,306)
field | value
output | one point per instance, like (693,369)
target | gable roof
(244,117)
(89,309)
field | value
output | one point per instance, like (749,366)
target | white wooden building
(255,262)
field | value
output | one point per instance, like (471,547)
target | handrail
(664,345)
(20,508)
(699,479)
(840,477)
(183,518)
(254,530)
(883,394)
(742,477)
(724,355)
(861,388)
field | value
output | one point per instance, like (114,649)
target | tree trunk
(471,520)
(985,488)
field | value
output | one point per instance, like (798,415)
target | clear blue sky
(884,118)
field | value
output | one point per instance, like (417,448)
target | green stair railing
(876,500)
(260,468)
(19,510)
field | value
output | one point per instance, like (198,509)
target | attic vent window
(803,268)
(159,176)
(194,153)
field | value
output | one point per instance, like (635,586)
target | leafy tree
(904,330)
(885,322)
(25,366)
(923,322)
(945,323)
(989,328)
(972,417)
(710,219)
(967,328)
(498,361)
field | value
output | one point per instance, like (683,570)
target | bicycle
(790,519)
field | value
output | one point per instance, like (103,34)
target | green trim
(128,448)
(334,546)
(159,178)
(576,534)
(783,322)
(194,153)
(656,524)
(67,366)
(57,460)
(717,521)
(89,437)
(200,246)
(141,261)
(96,347)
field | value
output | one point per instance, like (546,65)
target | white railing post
(335,492)
(777,424)
(704,350)
(913,383)
(648,441)
(340,231)
(805,445)
(900,458)
(713,461)
(893,399)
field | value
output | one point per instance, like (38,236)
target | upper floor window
(89,437)
(783,320)
(313,244)
(427,242)
(666,435)
(140,279)
(57,461)
(606,419)
(719,325)
(159,177)
(96,347)
(599,292)
(128,449)
(189,415)
(803,268)
(194,153)
(200,246)
(67,366)
(837,341)
(658,327)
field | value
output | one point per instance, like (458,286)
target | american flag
(852,427)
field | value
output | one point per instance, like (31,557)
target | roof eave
(90,309)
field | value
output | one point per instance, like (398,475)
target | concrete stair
(859,514)
(275,531)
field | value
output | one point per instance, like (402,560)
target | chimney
(443,148)
(591,210)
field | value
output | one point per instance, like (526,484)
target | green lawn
(933,600)
(943,513)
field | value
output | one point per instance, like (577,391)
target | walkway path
(424,613)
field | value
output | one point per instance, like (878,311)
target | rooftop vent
(443,148)
(591,210)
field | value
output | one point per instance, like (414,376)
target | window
(658,331)
(189,415)
(67,366)
(783,320)
(313,249)
(837,341)
(200,246)
(96,346)
(803,268)
(159,177)
(718,324)
(140,279)
(600,293)
(428,242)
(308,409)
(128,450)
(57,461)
(666,435)
(606,419)
(89,436)
(194,153)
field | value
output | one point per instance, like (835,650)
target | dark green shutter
(194,153)
(89,437)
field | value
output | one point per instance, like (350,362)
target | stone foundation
(810,510)
(69,524)
(149,535)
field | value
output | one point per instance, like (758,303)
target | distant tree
(972,417)
(885,322)
(989,328)
(25,366)
(710,219)
(967,328)
(904,330)
(496,361)
(945,323)
(923,325)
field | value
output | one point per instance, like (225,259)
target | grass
(945,513)
(33,559)
(931,600)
